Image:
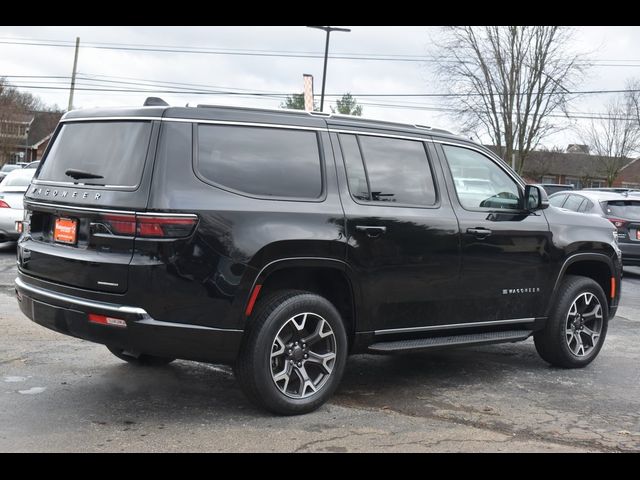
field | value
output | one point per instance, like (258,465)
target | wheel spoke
(279,347)
(592,334)
(285,375)
(573,311)
(596,312)
(319,333)
(580,345)
(300,326)
(322,359)
(305,381)
(570,336)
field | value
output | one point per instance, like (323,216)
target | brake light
(4,204)
(150,226)
(617,222)
(172,227)
(121,224)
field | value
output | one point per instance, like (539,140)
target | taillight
(617,222)
(171,227)
(4,204)
(121,224)
(150,226)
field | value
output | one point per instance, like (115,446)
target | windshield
(628,209)
(115,151)
(8,167)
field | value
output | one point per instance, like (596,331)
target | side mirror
(535,198)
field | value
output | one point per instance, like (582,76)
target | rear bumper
(69,315)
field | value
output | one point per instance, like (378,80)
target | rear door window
(114,151)
(266,162)
(573,202)
(557,200)
(397,170)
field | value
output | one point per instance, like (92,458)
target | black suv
(281,241)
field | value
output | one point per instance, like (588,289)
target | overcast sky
(614,50)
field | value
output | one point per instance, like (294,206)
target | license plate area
(65,230)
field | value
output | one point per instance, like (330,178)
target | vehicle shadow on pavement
(379,381)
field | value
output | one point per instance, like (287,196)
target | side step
(451,341)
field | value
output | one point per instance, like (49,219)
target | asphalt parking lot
(62,394)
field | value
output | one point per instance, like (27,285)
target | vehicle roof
(21,172)
(9,167)
(597,195)
(249,114)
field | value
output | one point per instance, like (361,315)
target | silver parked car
(12,190)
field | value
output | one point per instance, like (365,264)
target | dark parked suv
(280,242)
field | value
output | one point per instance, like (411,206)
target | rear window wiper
(78,174)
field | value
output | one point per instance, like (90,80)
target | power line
(152,83)
(269,53)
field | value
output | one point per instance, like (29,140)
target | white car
(12,189)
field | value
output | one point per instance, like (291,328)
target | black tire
(256,364)
(142,359)
(552,343)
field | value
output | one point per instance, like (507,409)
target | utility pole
(26,144)
(73,74)
(326,56)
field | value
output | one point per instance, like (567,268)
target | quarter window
(480,183)
(261,161)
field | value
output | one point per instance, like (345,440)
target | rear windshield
(628,209)
(114,150)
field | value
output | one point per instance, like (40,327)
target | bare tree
(506,80)
(633,95)
(613,136)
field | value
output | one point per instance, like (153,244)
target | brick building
(24,137)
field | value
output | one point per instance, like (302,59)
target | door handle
(372,231)
(479,233)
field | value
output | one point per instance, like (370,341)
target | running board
(451,341)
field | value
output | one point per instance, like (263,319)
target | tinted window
(398,171)
(573,202)
(261,161)
(624,209)
(114,150)
(480,182)
(557,200)
(355,169)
